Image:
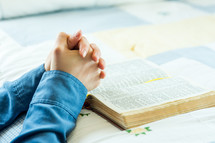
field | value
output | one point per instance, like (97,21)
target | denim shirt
(52,99)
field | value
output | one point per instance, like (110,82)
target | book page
(192,70)
(129,73)
(150,94)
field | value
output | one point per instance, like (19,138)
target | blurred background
(34,21)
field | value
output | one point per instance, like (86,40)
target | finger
(84,46)
(96,52)
(101,64)
(102,74)
(74,39)
(61,41)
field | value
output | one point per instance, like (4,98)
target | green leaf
(148,128)
(128,131)
(137,134)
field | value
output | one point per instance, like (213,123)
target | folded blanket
(11,8)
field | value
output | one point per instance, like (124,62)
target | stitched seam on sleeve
(76,81)
(18,90)
(58,104)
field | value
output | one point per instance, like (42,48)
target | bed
(179,36)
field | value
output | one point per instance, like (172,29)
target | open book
(137,92)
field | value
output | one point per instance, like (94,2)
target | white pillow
(16,8)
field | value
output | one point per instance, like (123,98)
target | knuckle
(84,38)
(84,46)
(93,45)
(57,50)
(61,34)
(102,60)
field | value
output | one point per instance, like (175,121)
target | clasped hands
(75,55)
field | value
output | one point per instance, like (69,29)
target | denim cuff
(61,89)
(24,87)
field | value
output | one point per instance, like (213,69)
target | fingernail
(84,53)
(96,57)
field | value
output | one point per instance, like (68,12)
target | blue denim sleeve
(54,108)
(16,96)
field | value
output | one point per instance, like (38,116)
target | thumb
(74,39)
(62,40)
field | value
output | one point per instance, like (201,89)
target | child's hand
(74,43)
(70,61)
